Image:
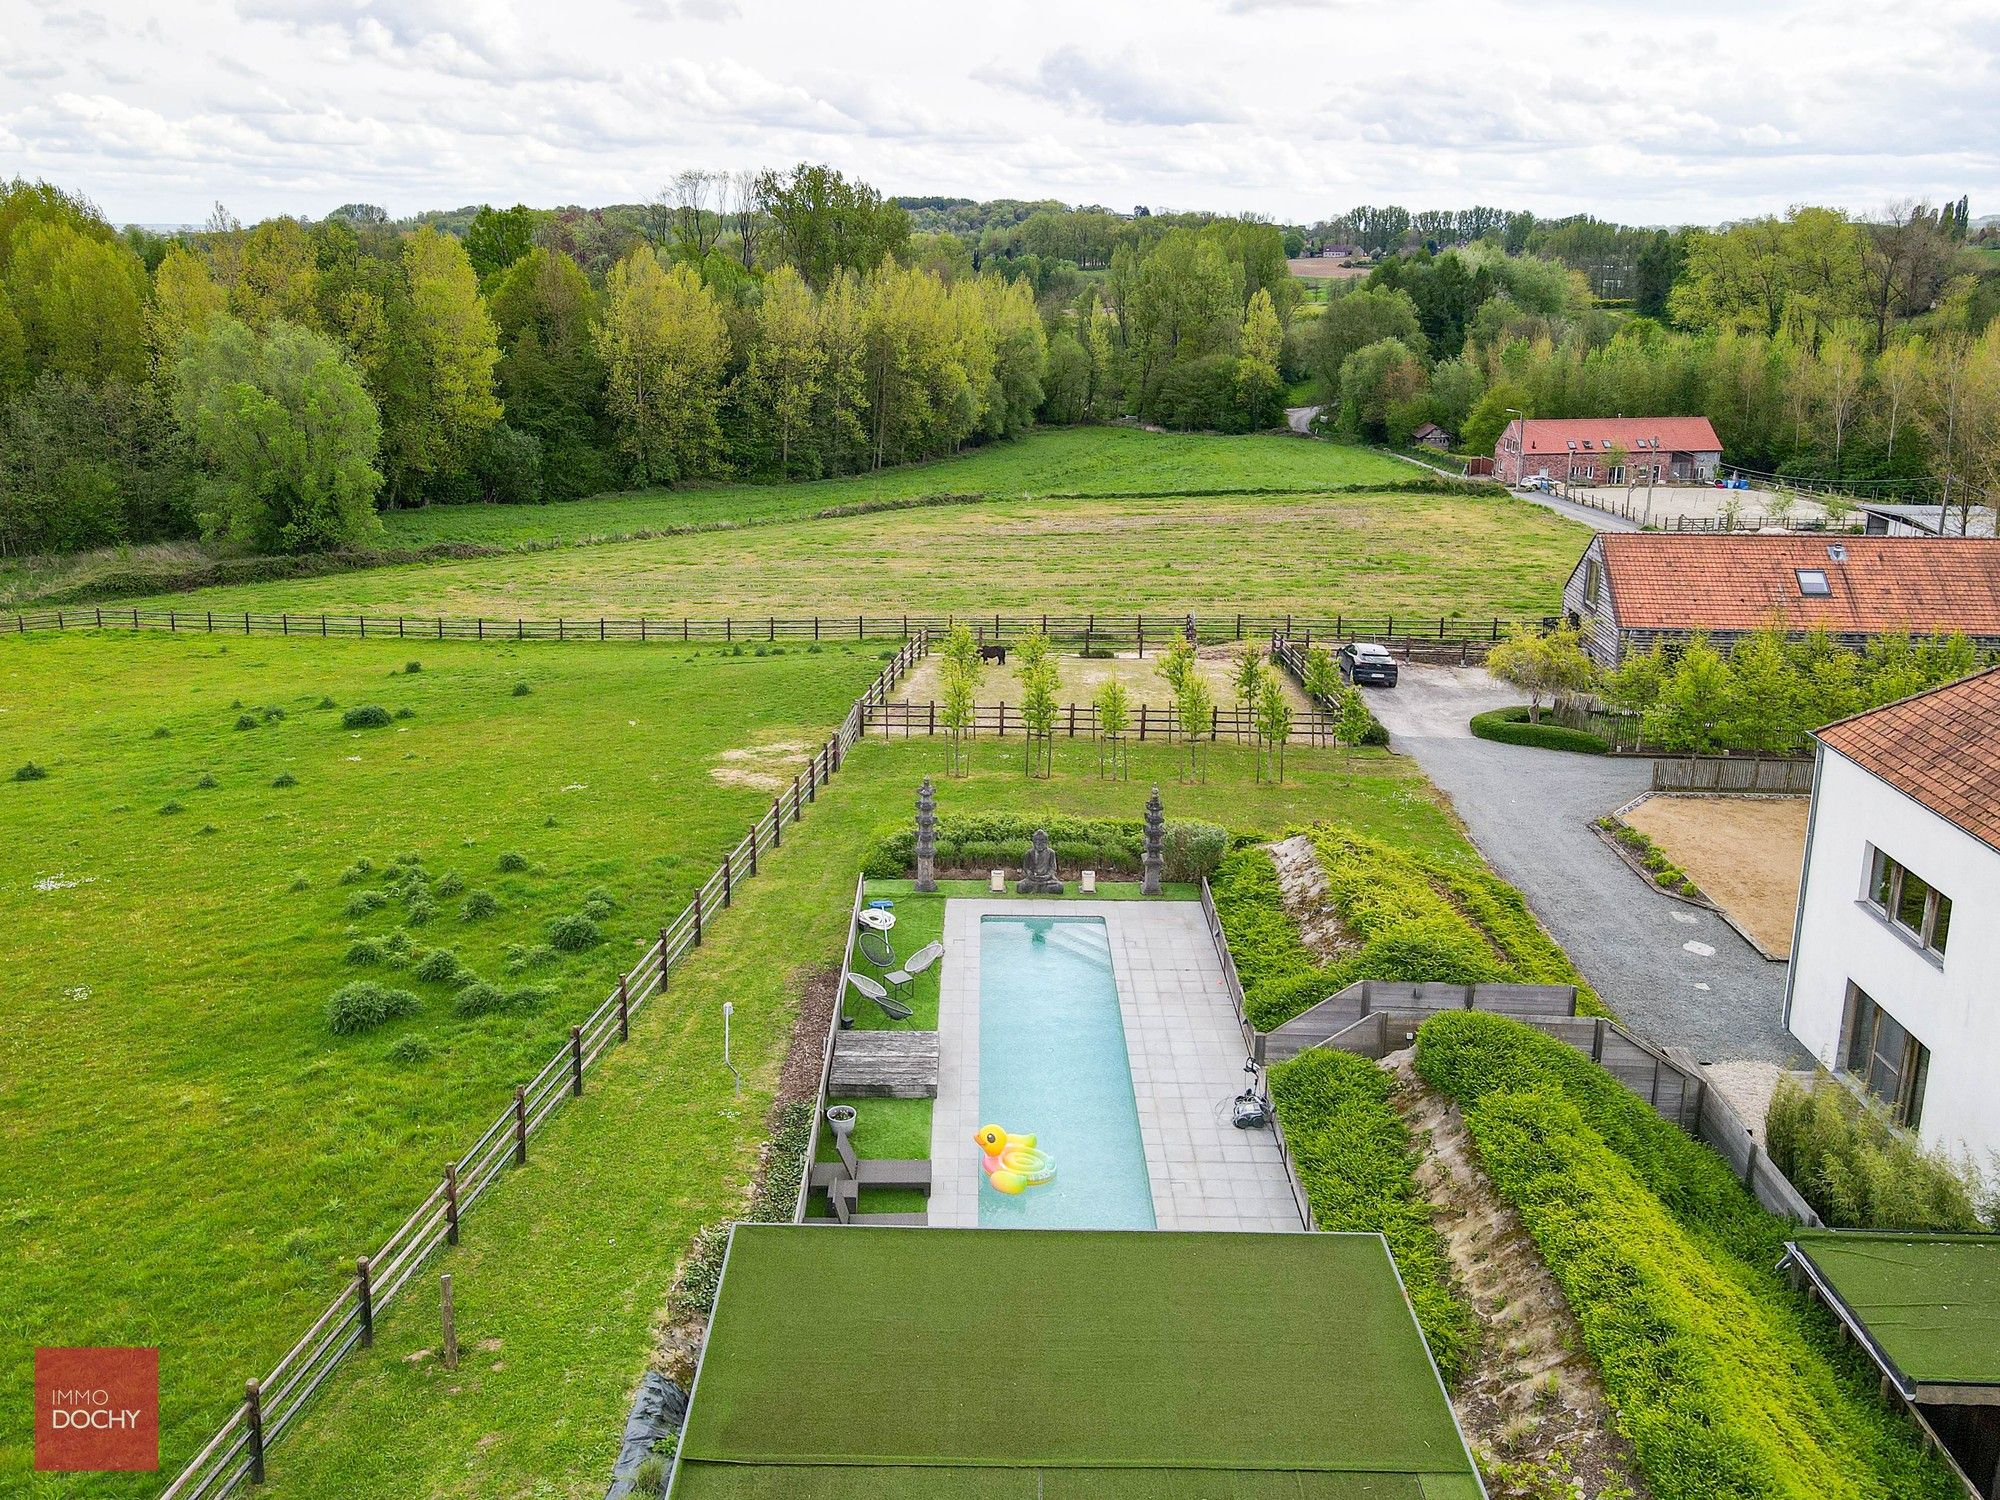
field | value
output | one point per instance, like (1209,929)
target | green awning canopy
(1022,1363)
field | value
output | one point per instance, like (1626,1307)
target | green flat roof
(990,1363)
(1931,1302)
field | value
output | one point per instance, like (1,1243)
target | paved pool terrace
(1186,1052)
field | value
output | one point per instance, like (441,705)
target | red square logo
(97,1409)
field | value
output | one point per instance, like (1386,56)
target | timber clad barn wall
(1631,590)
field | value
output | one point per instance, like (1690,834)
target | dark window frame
(1886,883)
(1883,1057)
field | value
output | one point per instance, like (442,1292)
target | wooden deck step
(897,1173)
(884,1065)
(878,1221)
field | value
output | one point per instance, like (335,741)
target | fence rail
(1144,630)
(237,1450)
(1079,721)
(1719,773)
(1234,984)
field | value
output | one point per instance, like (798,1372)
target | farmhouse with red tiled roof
(1632,589)
(1609,450)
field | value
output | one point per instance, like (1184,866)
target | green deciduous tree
(439,401)
(665,348)
(1542,664)
(1114,717)
(78,298)
(289,436)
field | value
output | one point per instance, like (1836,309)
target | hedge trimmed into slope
(1510,726)
(1722,1384)
(1414,920)
(1358,1169)
(1472,1054)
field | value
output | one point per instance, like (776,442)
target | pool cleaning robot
(1012,1162)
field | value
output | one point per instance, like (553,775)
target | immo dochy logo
(97,1409)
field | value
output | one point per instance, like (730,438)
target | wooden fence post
(253,1409)
(520,1125)
(797,811)
(697,916)
(665,960)
(777,824)
(451,1203)
(752,841)
(365,1290)
(728,882)
(624,1010)
(449,1319)
(576,1061)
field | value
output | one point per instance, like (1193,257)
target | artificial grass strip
(962,1350)
(1931,1301)
(711,1481)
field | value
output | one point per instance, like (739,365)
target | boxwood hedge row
(1357,1165)
(1718,1375)
(1510,726)
(1190,851)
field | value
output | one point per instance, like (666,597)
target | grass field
(191,1157)
(1466,557)
(1055,461)
(565,1265)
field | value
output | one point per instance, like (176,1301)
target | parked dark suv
(1364,661)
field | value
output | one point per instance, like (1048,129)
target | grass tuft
(365,716)
(31,772)
(364,1005)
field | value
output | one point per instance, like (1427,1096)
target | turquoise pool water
(1052,1064)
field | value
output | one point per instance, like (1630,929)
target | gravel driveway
(1675,974)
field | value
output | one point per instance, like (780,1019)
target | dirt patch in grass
(1532,1405)
(1744,852)
(1307,903)
(1081,678)
(764,768)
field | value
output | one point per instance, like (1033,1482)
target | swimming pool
(1052,1064)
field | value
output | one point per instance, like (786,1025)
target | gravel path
(1675,974)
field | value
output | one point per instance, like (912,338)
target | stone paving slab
(1186,1052)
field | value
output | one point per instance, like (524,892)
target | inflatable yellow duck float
(1012,1162)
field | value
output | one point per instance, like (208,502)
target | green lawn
(1055,461)
(191,1158)
(1468,557)
(565,1265)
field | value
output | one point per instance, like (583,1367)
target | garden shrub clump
(1357,1165)
(1859,1171)
(1410,919)
(365,716)
(364,1005)
(573,934)
(1666,874)
(1718,1376)
(1510,726)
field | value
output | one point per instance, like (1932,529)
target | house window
(1593,575)
(1884,1058)
(1813,584)
(1616,473)
(1909,902)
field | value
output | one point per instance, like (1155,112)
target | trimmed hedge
(1358,1168)
(1510,726)
(1724,1386)
(1189,850)
(1416,920)
(1472,1054)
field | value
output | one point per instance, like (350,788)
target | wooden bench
(884,1065)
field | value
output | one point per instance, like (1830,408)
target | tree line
(272,387)
(1862,354)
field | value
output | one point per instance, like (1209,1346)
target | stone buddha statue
(1038,874)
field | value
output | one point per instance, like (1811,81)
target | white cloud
(1294,108)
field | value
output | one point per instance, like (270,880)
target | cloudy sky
(1650,112)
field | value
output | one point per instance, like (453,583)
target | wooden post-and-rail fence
(1402,631)
(237,1451)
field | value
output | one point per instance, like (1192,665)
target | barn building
(1609,450)
(1632,589)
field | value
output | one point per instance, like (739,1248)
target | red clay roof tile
(1941,748)
(1675,581)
